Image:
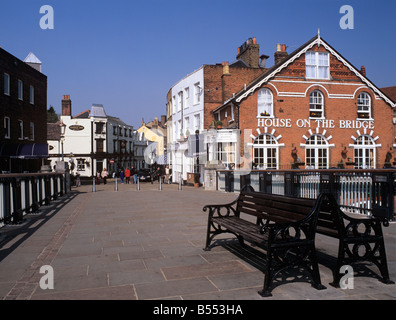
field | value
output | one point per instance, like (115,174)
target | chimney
(363,70)
(163,120)
(66,106)
(263,60)
(226,68)
(249,53)
(280,53)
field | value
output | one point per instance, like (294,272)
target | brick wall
(219,87)
(15,109)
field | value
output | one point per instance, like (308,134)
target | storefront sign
(320,123)
(76,127)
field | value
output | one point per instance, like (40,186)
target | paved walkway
(147,244)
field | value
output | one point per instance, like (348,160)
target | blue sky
(127,54)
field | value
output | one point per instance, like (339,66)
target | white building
(93,140)
(185,117)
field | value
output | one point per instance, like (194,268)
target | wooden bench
(285,227)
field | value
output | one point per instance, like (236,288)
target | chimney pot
(278,47)
(283,48)
(254,40)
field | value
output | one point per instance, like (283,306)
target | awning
(24,150)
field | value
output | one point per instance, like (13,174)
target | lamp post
(62,135)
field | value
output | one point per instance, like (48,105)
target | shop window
(316,105)
(364,106)
(264,103)
(265,152)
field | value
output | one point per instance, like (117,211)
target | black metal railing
(370,192)
(24,193)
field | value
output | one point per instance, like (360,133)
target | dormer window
(317,65)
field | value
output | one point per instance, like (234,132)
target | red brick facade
(340,128)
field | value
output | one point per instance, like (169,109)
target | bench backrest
(284,209)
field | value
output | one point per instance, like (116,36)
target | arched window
(364,152)
(364,106)
(316,105)
(265,152)
(264,103)
(317,152)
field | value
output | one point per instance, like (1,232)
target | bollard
(115,185)
(93,185)
(138,184)
(180,184)
(160,183)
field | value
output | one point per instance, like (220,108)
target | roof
(97,110)
(83,115)
(31,58)
(390,92)
(53,131)
(284,63)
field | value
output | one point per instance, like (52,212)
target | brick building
(191,100)
(313,109)
(23,114)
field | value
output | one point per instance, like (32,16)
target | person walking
(78,181)
(122,175)
(104,175)
(134,174)
(127,176)
(167,174)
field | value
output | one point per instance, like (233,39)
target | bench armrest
(289,232)
(361,226)
(221,210)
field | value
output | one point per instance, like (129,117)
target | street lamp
(62,127)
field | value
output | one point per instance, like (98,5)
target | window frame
(317,65)
(7,127)
(31,94)
(20,129)
(31,132)
(315,151)
(265,100)
(6,84)
(197,93)
(312,109)
(360,152)
(264,147)
(20,90)
(367,113)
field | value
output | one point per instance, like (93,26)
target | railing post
(27,195)
(17,214)
(383,201)
(6,200)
